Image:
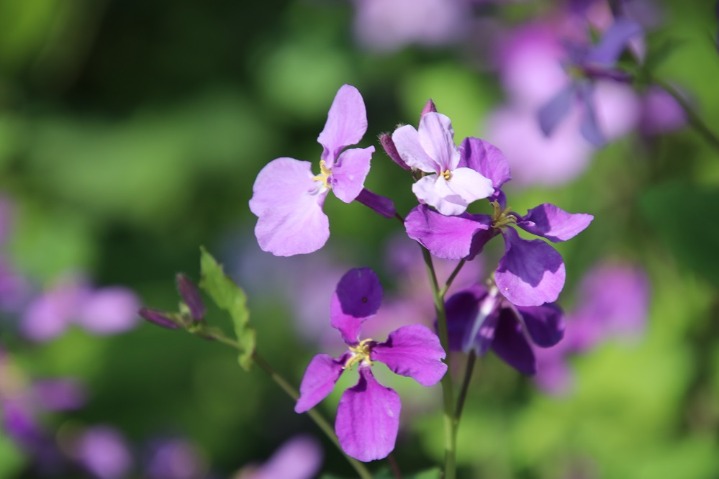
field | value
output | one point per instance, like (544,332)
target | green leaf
(229,297)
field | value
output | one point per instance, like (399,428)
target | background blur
(131,133)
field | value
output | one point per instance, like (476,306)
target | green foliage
(229,297)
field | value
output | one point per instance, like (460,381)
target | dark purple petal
(461,308)
(449,237)
(385,140)
(413,351)
(358,296)
(368,419)
(160,318)
(320,377)
(615,38)
(554,223)
(191,296)
(511,345)
(349,173)
(545,323)
(380,204)
(554,111)
(346,123)
(530,273)
(589,126)
(486,159)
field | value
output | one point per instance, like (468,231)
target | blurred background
(131,133)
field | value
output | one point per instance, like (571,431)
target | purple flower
(175,459)
(103,451)
(447,186)
(298,458)
(531,272)
(368,414)
(478,319)
(585,65)
(288,199)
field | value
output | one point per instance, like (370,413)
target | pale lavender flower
(447,186)
(479,319)
(367,419)
(531,272)
(298,458)
(175,459)
(103,452)
(661,113)
(288,199)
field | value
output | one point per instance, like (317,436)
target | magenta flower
(478,319)
(531,272)
(298,458)
(368,413)
(447,186)
(288,199)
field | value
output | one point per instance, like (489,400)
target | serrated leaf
(231,298)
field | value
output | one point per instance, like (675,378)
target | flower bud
(385,140)
(159,318)
(191,296)
(429,107)
(380,204)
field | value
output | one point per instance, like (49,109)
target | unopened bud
(429,107)
(191,296)
(385,140)
(159,318)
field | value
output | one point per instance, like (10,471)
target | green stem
(451,278)
(450,426)
(692,116)
(471,360)
(318,419)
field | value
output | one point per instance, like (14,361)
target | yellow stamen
(360,354)
(447,175)
(501,218)
(324,175)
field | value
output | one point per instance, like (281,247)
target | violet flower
(585,65)
(447,186)
(478,319)
(288,199)
(368,414)
(531,272)
(298,458)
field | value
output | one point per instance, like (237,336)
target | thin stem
(318,419)
(451,278)
(450,426)
(469,369)
(394,466)
(692,116)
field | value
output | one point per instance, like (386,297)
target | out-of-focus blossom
(367,419)
(661,113)
(298,458)
(288,199)
(389,25)
(175,459)
(612,303)
(103,452)
(108,310)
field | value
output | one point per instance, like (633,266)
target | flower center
(360,354)
(447,175)
(324,175)
(501,217)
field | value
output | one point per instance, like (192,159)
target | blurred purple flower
(298,458)
(367,419)
(613,301)
(101,311)
(661,113)
(175,459)
(479,319)
(585,65)
(103,452)
(531,272)
(385,26)
(59,394)
(288,199)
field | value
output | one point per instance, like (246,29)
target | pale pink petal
(406,140)
(437,138)
(470,185)
(346,123)
(349,173)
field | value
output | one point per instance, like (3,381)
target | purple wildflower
(478,319)
(531,272)
(585,65)
(104,452)
(288,199)
(447,186)
(298,458)
(368,414)
(175,459)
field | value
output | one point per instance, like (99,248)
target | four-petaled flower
(287,198)
(368,413)
(447,186)
(531,272)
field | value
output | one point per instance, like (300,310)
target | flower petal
(545,323)
(615,38)
(554,111)
(349,173)
(437,138)
(530,273)
(378,203)
(470,185)
(288,203)
(511,345)
(413,351)
(346,123)
(320,377)
(406,141)
(448,237)
(554,223)
(368,419)
(486,159)
(358,296)
(589,128)
(471,320)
